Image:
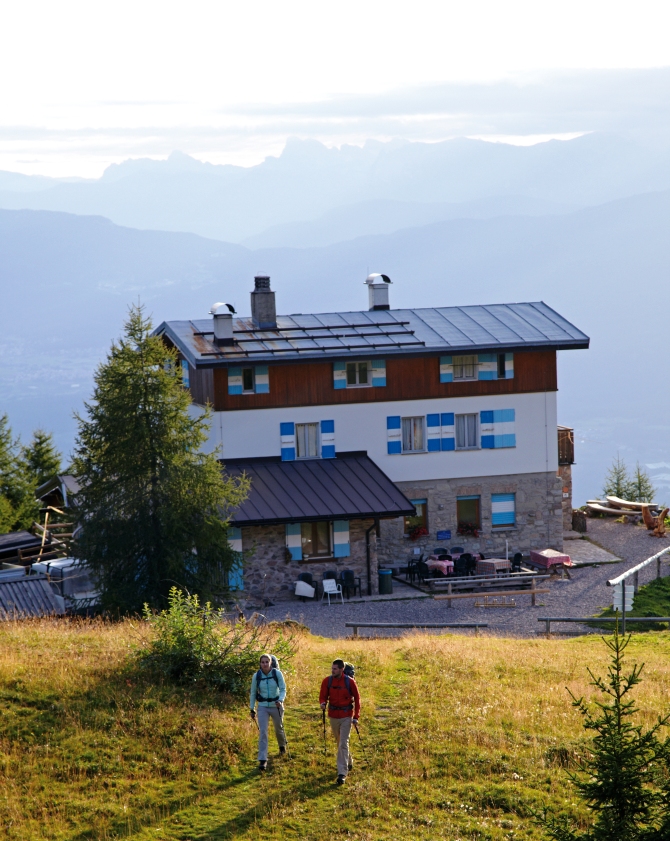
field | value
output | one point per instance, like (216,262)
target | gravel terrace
(583,595)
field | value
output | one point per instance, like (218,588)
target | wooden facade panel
(202,385)
(311,383)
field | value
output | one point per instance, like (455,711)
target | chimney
(223,325)
(263,307)
(378,291)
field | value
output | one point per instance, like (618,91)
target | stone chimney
(263,307)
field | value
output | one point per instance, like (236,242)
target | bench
(470,582)
(590,619)
(532,592)
(413,625)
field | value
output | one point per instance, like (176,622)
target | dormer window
(465,367)
(307,440)
(248,385)
(358,374)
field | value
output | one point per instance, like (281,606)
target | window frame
(312,525)
(421,519)
(421,418)
(455,364)
(357,363)
(477,444)
(478,523)
(317,441)
(251,390)
(502,370)
(504,526)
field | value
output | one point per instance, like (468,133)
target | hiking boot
(341,779)
(282,749)
(262,765)
(350,764)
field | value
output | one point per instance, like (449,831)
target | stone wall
(539,516)
(565,475)
(264,549)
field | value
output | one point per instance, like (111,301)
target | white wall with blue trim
(363,426)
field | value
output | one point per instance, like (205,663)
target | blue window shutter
(378,372)
(341,544)
(446,369)
(432,420)
(433,433)
(185,374)
(503,510)
(487,369)
(393,435)
(236,573)
(447,432)
(339,374)
(497,429)
(294,541)
(287,436)
(509,366)
(327,439)
(234,381)
(261,379)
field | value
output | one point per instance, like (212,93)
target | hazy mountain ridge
(307,180)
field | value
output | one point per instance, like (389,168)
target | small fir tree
(153,506)
(618,481)
(620,776)
(18,507)
(641,488)
(42,459)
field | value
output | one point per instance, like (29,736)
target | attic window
(465,367)
(358,374)
(248,385)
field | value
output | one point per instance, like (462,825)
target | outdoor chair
(422,572)
(330,573)
(331,588)
(308,578)
(350,582)
(516,562)
(456,550)
(444,557)
(461,566)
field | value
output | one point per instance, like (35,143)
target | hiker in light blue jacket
(268,690)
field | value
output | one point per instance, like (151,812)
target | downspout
(374,525)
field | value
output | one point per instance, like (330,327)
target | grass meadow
(465,738)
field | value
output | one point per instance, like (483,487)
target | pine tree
(641,488)
(42,459)
(18,507)
(152,505)
(621,775)
(618,481)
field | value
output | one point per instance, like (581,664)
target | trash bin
(385,582)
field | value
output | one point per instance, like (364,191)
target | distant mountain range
(67,281)
(308,180)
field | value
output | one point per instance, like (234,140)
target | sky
(88,84)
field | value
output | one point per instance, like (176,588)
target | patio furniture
(493,566)
(445,567)
(548,558)
(422,571)
(460,566)
(350,582)
(331,588)
(330,573)
(456,550)
(516,562)
(305,587)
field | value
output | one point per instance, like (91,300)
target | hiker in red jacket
(340,693)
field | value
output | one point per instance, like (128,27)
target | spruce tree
(18,506)
(42,459)
(621,775)
(641,488)
(153,506)
(618,481)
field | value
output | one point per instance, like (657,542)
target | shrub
(189,643)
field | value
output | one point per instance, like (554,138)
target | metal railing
(621,580)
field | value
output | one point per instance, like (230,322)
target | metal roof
(29,595)
(13,541)
(350,486)
(375,333)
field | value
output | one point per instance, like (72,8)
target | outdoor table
(445,566)
(548,558)
(492,566)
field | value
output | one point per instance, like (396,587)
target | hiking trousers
(264,715)
(341,728)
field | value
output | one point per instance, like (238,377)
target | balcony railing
(566,445)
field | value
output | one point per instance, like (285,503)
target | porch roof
(348,487)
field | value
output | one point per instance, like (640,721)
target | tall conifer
(41,457)
(18,507)
(153,507)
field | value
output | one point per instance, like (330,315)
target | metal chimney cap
(216,309)
(375,278)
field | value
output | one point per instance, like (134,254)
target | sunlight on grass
(465,737)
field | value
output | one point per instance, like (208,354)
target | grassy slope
(465,736)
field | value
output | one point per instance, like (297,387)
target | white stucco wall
(361,426)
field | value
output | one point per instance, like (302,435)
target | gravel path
(583,595)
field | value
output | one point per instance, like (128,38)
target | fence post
(355,630)
(449,591)
(636,582)
(532,590)
(658,567)
(623,606)
(547,622)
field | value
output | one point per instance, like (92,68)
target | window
(307,440)
(185,374)
(465,367)
(468,515)
(248,380)
(466,432)
(412,435)
(358,373)
(315,538)
(503,511)
(501,366)
(420,520)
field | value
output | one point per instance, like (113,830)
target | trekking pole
(323,716)
(281,721)
(365,753)
(256,722)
